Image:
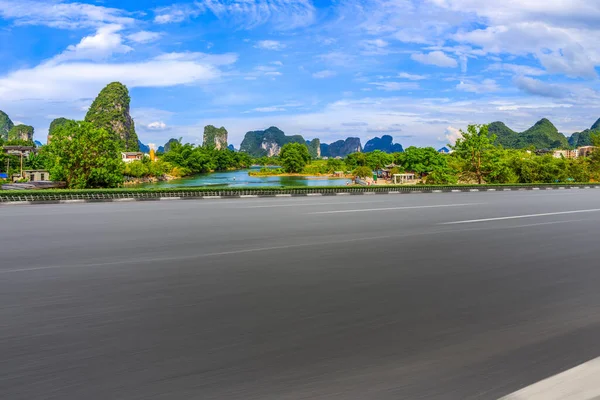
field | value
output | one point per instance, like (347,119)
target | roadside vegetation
(83,155)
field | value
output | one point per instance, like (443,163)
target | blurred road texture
(421,296)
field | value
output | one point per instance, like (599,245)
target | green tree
(55,124)
(362,172)
(334,165)
(136,169)
(377,159)
(354,160)
(421,160)
(84,156)
(294,157)
(474,147)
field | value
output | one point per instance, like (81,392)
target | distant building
(566,154)
(131,156)
(585,151)
(23,151)
(444,150)
(36,175)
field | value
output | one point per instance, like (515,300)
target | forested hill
(268,142)
(542,135)
(584,138)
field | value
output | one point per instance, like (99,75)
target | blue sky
(417,70)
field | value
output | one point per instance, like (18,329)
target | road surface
(419,296)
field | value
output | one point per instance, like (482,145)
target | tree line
(475,159)
(86,156)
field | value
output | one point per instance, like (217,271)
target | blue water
(241,178)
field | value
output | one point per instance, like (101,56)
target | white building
(131,156)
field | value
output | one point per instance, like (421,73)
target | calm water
(242,179)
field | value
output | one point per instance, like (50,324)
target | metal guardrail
(91,196)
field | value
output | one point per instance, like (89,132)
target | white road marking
(392,208)
(170,198)
(471,221)
(579,383)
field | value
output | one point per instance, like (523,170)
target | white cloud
(437,58)
(278,63)
(144,36)
(394,86)
(375,47)
(573,62)
(244,14)
(411,77)
(157,126)
(75,80)
(270,45)
(268,109)
(517,69)
(59,14)
(214,59)
(273,73)
(326,73)
(485,86)
(452,135)
(247,14)
(175,13)
(104,43)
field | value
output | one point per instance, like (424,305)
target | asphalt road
(420,296)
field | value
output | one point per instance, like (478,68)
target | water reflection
(241,178)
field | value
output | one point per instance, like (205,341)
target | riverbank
(131,181)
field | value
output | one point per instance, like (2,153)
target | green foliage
(441,176)
(334,165)
(110,111)
(194,160)
(21,132)
(377,159)
(5,125)
(55,124)
(294,157)
(215,138)
(36,161)
(421,160)
(267,172)
(474,147)
(362,172)
(354,160)
(84,156)
(19,142)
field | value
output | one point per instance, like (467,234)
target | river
(240,178)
